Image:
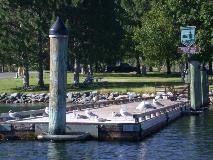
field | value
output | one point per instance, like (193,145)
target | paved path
(6,75)
(9,75)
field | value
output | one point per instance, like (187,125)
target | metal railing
(159,112)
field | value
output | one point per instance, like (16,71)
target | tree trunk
(85,69)
(40,74)
(26,74)
(150,69)
(10,67)
(2,68)
(182,72)
(138,65)
(90,71)
(97,68)
(210,68)
(143,69)
(168,66)
(76,72)
(69,67)
(40,60)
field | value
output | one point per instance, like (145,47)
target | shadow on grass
(149,74)
(33,89)
(123,85)
(103,85)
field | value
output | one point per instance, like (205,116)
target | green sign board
(188,35)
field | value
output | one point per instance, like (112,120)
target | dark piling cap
(58,28)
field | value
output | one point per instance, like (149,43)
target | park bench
(97,79)
(90,79)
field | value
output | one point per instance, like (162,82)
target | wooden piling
(204,87)
(202,80)
(195,85)
(58,78)
(207,89)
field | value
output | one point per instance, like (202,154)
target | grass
(111,82)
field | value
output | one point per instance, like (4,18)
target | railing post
(58,78)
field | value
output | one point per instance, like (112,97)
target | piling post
(195,85)
(203,87)
(206,87)
(58,77)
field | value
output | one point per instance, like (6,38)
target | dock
(106,127)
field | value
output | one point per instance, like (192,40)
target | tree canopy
(102,33)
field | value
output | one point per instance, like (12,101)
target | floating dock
(106,127)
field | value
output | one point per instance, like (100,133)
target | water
(188,138)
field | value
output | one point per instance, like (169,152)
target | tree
(133,11)
(199,14)
(156,37)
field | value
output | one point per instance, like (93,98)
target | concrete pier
(106,127)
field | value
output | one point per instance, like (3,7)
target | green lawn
(111,82)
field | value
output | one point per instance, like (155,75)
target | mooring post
(203,87)
(206,87)
(58,77)
(195,85)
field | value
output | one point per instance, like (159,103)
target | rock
(11,98)
(86,94)
(42,94)
(41,99)
(35,100)
(111,97)
(3,94)
(16,101)
(29,95)
(15,95)
(94,92)
(69,95)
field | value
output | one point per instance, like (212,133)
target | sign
(188,35)
(190,50)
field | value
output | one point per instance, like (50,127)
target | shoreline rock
(71,97)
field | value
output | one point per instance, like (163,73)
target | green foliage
(156,37)
(103,32)
(195,13)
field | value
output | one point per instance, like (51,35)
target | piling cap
(58,28)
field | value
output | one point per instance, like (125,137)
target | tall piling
(195,85)
(207,89)
(58,77)
(203,88)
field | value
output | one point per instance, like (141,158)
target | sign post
(198,89)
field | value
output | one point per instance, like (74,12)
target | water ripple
(189,138)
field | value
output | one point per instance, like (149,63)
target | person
(20,71)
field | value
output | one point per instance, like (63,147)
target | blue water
(188,138)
